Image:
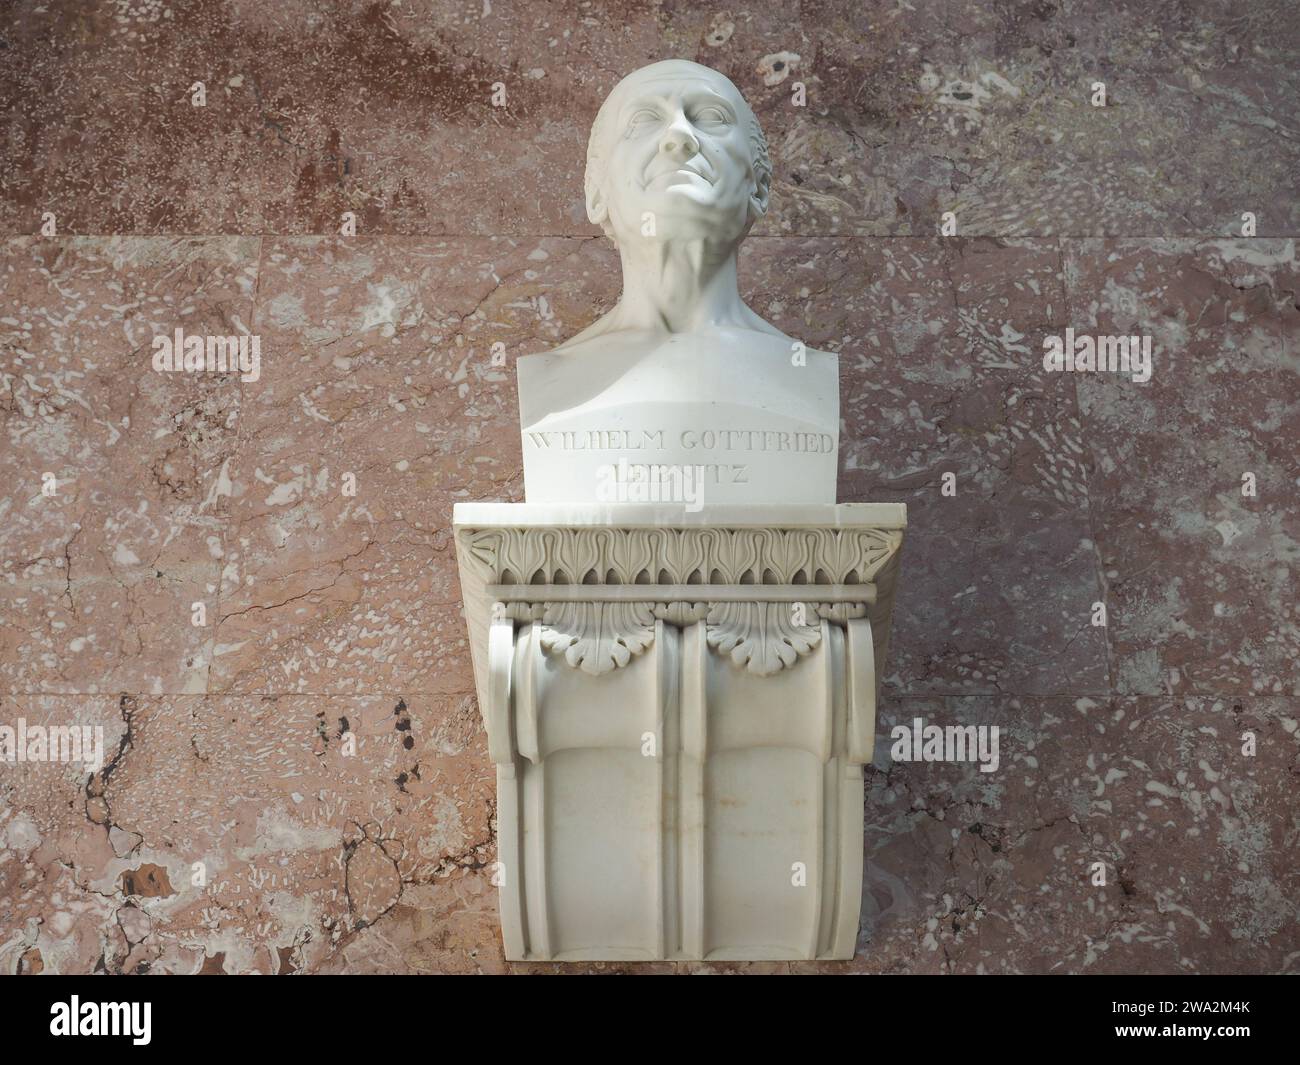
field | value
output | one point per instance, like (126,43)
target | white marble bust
(681,392)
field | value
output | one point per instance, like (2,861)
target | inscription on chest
(751,441)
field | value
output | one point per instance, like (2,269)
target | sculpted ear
(597,212)
(758,199)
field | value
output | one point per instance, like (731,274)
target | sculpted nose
(679,140)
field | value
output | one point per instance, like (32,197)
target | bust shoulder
(731,364)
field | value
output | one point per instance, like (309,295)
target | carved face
(678,147)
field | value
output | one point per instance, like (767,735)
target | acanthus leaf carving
(682,552)
(836,557)
(761,637)
(482,548)
(630,556)
(681,613)
(580,554)
(525,556)
(839,613)
(737,556)
(875,548)
(680,555)
(597,637)
(522,612)
(786,553)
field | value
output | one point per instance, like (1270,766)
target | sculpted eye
(641,118)
(711,116)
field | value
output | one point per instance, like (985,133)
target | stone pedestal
(679,705)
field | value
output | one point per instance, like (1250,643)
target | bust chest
(729,416)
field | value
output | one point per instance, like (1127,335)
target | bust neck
(679,286)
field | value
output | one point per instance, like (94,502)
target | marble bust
(678,636)
(681,393)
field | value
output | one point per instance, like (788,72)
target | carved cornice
(615,555)
(760,634)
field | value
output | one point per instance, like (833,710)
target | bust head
(677,139)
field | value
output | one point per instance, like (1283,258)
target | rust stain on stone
(149,881)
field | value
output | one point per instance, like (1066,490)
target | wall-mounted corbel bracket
(643,682)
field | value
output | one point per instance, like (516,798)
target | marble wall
(230,828)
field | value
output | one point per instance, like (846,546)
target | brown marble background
(330,613)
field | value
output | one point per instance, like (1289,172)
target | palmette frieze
(621,555)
